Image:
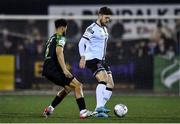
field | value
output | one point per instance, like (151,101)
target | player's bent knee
(102,79)
(75,83)
(110,85)
(102,76)
(79,86)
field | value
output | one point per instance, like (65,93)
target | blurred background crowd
(28,37)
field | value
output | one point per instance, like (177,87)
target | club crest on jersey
(90,30)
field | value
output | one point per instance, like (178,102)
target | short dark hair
(105,11)
(60,22)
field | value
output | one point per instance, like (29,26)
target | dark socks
(81,103)
(58,99)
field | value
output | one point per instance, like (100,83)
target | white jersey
(94,42)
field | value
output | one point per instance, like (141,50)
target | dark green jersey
(50,50)
(51,67)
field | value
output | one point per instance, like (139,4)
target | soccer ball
(120,110)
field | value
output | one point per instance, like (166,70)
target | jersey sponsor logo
(90,30)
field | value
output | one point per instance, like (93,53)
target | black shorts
(96,65)
(56,75)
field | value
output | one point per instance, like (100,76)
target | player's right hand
(82,63)
(67,74)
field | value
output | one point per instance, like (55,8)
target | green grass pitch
(145,109)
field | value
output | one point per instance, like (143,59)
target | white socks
(99,95)
(102,95)
(107,96)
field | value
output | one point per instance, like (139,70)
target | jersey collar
(98,24)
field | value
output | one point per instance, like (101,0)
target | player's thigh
(59,78)
(97,69)
(95,66)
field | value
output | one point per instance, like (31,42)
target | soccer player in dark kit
(55,70)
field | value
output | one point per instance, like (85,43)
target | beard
(102,23)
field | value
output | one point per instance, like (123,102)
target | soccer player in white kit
(92,49)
